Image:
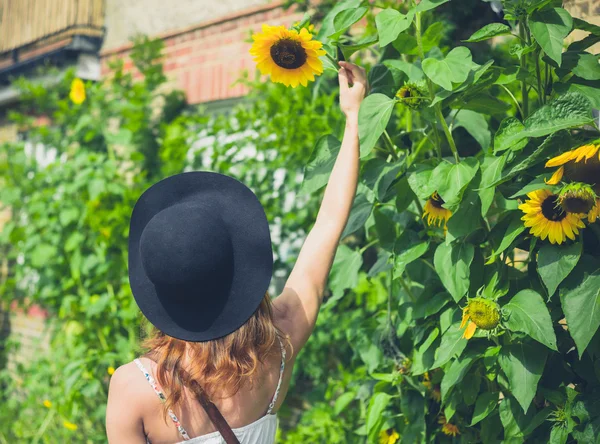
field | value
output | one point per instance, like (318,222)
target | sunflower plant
(477,209)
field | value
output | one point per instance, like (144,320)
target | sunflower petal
(556,177)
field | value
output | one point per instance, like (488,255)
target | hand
(353,86)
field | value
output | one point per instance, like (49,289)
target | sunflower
(547,219)
(435,212)
(77,94)
(388,436)
(448,428)
(579,165)
(290,57)
(482,313)
(594,212)
(577,197)
(411,95)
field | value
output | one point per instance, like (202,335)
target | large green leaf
(377,405)
(320,164)
(580,300)
(390,23)
(426,5)
(373,116)
(486,403)
(489,31)
(513,419)
(344,19)
(528,313)
(515,227)
(555,262)
(550,27)
(361,210)
(452,345)
(41,254)
(420,180)
(408,255)
(483,103)
(452,180)
(344,271)
(590,89)
(413,72)
(327,26)
(423,356)
(475,124)
(466,219)
(508,135)
(381,80)
(492,171)
(523,363)
(455,373)
(454,68)
(452,263)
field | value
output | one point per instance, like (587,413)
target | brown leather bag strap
(212,411)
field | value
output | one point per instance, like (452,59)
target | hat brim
(248,227)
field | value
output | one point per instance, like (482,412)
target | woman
(200,262)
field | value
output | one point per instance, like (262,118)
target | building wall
(125,19)
(588,10)
(205,59)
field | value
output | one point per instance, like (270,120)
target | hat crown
(186,251)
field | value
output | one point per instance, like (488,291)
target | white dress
(261,431)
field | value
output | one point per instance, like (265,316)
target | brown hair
(231,361)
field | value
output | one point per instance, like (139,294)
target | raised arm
(299,303)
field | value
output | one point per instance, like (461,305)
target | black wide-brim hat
(200,255)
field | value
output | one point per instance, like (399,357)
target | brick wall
(205,59)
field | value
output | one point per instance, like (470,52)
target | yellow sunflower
(435,212)
(448,428)
(389,436)
(482,313)
(547,219)
(594,212)
(577,197)
(77,94)
(579,165)
(288,56)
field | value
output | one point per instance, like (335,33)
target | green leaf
(320,163)
(475,124)
(373,116)
(390,23)
(523,363)
(41,254)
(413,72)
(550,27)
(483,103)
(558,435)
(426,5)
(489,31)
(361,210)
(513,419)
(423,356)
(580,300)
(362,43)
(377,405)
(453,180)
(405,257)
(528,313)
(382,264)
(420,180)
(509,135)
(327,26)
(582,64)
(455,374)
(385,228)
(426,306)
(381,80)
(452,345)
(591,90)
(515,228)
(452,263)
(345,19)
(486,403)
(454,68)
(96,187)
(492,171)
(555,262)
(344,271)
(466,219)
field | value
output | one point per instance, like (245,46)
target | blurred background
(167,87)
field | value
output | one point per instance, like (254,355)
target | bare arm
(303,293)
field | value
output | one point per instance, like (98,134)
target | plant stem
(514,99)
(524,68)
(370,244)
(331,59)
(438,112)
(409,122)
(429,84)
(408,292)
(391,145)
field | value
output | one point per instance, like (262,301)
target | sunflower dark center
(437,201)
(551,210)
(404,93)
(584,171)
(288,54)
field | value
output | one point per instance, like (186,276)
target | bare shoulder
(127,382)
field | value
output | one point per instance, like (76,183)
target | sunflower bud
(411,95)
(484,313)
(577,198)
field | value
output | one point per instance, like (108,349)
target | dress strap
(162,397)
(280,378)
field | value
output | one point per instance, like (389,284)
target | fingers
(358,72)
(343,79)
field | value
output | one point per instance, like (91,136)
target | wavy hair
(231,361)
